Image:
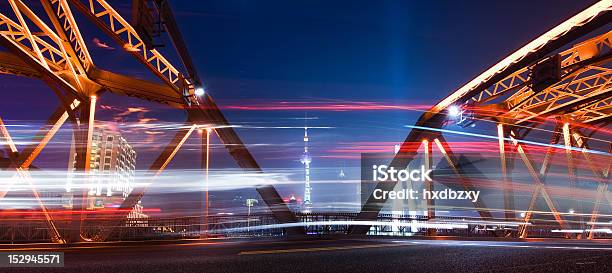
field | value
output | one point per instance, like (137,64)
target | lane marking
(315,249)
(535,246)
(112,245)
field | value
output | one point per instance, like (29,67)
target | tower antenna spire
(306,160)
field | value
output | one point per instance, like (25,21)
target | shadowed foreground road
(339,256)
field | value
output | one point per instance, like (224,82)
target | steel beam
(600,111)
(584,22)
(25,176)
(114,82)
(10,145)
(83,141)
(54,123)
(448,154)
(539,189)
(29,154)
(561,100)
(507,185)
(518,83)
(429,185)
(550,151)
(170,151)
(12,148)
(142,89)
(70,64)
(11,64)
(580,24)
(372,207)
(571,171)
(208,113)
(205,166)
(156,168)
(52,229)
(66,27)
(176,37)
(105,17)
(601,176)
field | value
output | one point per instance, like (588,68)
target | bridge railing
(265,225)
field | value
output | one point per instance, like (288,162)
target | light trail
(9,213)
(328,106)
(456,224)
(558,146)
(503,244)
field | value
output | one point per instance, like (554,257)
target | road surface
(364,255)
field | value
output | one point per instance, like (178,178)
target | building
(137,218)
(113,164)
(112,170)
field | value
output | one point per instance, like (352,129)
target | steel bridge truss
(57,54)
(541,83)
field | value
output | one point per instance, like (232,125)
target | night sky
(258,57)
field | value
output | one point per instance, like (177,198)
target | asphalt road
(338,256)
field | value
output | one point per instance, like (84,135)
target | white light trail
(507,139)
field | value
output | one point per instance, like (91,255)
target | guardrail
(265,225)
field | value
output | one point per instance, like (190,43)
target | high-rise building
(113,164)
(112,170)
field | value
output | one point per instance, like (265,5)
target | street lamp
(249,204)
(199,91)
(454,111)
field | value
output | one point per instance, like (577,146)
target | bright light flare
(454,111)
(200,91)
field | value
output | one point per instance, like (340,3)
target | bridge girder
(509,82)
(59,56)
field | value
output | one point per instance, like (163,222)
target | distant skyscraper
(112,170)
(306,159)
(115,159)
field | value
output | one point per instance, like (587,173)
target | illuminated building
(112,170)
(136,217)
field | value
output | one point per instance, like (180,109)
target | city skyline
(390,79)
(318,136)
(241,90)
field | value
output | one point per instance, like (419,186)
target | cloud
(101,44)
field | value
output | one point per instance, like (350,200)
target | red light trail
(333,106)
